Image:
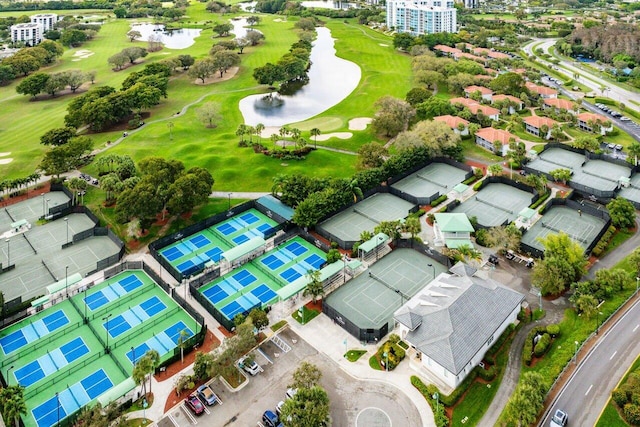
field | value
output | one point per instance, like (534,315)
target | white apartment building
(48,20)
(29,33)
(422,16)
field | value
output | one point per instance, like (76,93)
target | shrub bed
(439,200)
(541,200)
(604,241)
(542,346)
(428,392)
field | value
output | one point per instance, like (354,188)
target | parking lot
(349,398)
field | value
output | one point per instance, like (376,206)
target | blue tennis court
(134,316)
(33,331)
(315,261)
(172,254)
(291,274)
(272,262)
(187,265)
(229,286)
(264,293)
(296,248)
(112,292)
(51,362)
(200,241)
(71,399)
(162,342)
(242,304)
(226,228)
(249,218)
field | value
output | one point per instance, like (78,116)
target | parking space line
(265,355)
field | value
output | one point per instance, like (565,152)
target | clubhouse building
(452,322)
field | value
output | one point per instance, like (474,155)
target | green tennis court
(369,300)
(347,225)
(434,178)
(582,228)
(55,351)
(494,204)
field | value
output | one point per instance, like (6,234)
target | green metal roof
(301,282)
(457,243)
(373,243)
(243,249)
(527,213)
(40,301)
(354,263)
(460,188)
(61,284)
(453,222)
(275,205)
(116,392)
(19,223)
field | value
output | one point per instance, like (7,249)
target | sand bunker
(339,135)
(5,154)
(5,161)
(359,123)
(384,45)
(231,72)
(82,54)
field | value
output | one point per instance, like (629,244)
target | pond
(179,38)
(331,79)
(240,27)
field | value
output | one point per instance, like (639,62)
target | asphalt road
(588,390)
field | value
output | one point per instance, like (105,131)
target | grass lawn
(278,325)
(374,363)
(619,238)
(384,72)
(471,149)
(307,314)
(354,355)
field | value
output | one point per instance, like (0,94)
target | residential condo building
(422,16)
(48,20)
(29,33)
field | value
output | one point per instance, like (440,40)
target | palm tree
(314,133)
(259,129)
(182,339)
(284,131)
(468,253)
(315,287)
(355,189)
(242,129)
(154,360)
(634,151)
(250,130)
(12,403)
(274,139)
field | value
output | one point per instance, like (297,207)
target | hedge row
(604,241)
(439,200)
(478,185)
(427,392)
(541,200)
(543,343)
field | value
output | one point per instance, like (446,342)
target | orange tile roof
(586,117)
(464,101)
(451,121)
(540,90)
(497,55)
(538,121)
(559,103)
(483,77)
(470,56)
(509,97)
(483,90)
(447,49)
(492,135)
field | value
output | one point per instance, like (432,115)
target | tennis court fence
(424,249)
(204,302)
(65,373)
(364,335)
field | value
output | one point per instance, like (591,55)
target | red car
(194,404)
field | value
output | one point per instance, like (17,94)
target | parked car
(207,395)
(279,407)
(270,419)
(194,404)
(291,392)
(250,366)
(559,419)
(619,147)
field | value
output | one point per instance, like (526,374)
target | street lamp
(575,357)
(8,252)
(66,280)
(66,220)
(380,239)
(436,397)
(106,349)
(9,369)
(133,350)
(386,363)
(85,305)
(58,408)
(637,280)
(43,213)
(229,196)
(433,269)
(598,314)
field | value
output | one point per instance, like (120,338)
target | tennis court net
(557,230)
(366,216)
(268,272)
(424,178)
(600,176)
(556,163)
(494,205)
(396,290)
(221,236)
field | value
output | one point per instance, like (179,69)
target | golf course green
(182,136)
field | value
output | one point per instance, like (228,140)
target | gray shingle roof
(459,312)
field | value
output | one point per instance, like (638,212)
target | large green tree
(622,212)
(33,84)
(564,263)
(12,404)
(392,116)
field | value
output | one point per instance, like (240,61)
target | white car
(250,366)
(559,419)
